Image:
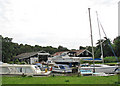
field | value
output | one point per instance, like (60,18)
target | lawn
(61,80)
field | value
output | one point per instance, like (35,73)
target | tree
(10,49)
(106,44)
(61,48)
(117,45)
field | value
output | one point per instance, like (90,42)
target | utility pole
(91,40)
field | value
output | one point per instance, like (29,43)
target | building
(83,53)
(80,53)
(33,57)
(71,57)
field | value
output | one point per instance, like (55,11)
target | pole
(91,40)
(100,38)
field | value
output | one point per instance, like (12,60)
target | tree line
(11,49)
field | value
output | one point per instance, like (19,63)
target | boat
(15,69)
(117,70)
(100,68)
(90,73)
(86,72)
(59,68)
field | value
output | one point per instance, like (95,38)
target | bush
(22,62)
(11,62)
(110,59)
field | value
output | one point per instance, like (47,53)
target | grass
(61,80)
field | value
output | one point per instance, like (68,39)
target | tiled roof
(58,53)
(78,52)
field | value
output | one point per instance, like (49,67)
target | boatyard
(52,44)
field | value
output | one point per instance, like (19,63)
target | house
(33,57)
(71,57)
(82,54)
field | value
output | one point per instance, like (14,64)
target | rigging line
(108,41)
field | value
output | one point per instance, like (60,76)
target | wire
(108,41)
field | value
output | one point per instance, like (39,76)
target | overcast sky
(57,22)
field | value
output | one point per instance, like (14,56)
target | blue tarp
(92,59)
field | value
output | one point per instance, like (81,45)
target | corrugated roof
(27,55)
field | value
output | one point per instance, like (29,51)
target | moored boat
(59,68)
(15,69)
(100,68)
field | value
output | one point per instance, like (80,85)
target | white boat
(86,72)
(59,68)
(90,73)
(15,69)
(100,68)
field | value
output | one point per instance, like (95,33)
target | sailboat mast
(91,38)
(100,39)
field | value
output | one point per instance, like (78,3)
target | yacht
(15,69)
(59,68)
(100,68)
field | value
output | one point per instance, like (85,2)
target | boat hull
(101,69)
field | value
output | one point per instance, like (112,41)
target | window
(24,70)
(28,70)
(62,67)
(19,69)
(4,70)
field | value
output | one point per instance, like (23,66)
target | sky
(57,22)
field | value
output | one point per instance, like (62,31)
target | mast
(91,39)
(100,38)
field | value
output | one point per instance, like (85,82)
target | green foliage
(110,59)
(106,48)
(22,62)
(81,61)
(10,49)
(17,61)
(11,62)
(117,45)
(61,48)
